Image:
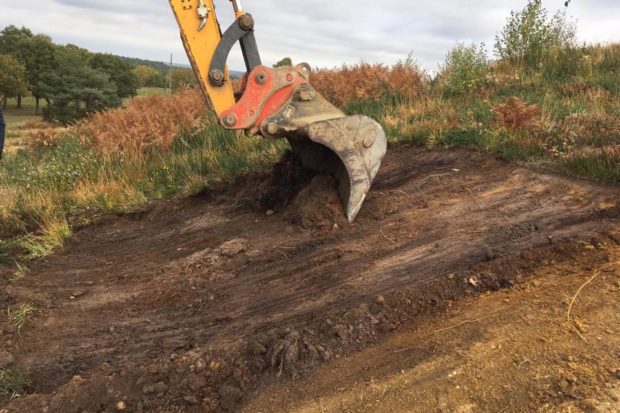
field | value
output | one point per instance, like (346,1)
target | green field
(152,91)
(14,117)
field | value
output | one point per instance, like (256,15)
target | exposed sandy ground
(210,303)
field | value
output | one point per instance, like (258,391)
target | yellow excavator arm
(279,102)
(200,36)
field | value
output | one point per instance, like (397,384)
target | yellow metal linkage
(200,46)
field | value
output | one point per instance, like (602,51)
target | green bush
(531,34)
(465,70)
(563,64)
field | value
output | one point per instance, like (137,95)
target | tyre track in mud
(211,272)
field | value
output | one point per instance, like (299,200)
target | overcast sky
(324,33)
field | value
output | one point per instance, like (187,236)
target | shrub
(530,34)
(516,114)
(465,70)
(365,81)
(146,122)
(45,136)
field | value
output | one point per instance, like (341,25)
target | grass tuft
(53,235)
(19,316)
(20,273)
(12,384)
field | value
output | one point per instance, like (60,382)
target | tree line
(72,81)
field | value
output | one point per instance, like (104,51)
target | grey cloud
(321,32)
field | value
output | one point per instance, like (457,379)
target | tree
(76,88)
(12,78)
(530,35)
(182,78)
(284,62)
(39,56)
(120,72)
(12,42)
(465,69)
(11,38)
(149,76)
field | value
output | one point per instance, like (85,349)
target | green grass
(19,316)
(54,233)
(12,384)
(15,118)
(20,273)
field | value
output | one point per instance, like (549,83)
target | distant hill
(157,65)
(163,66)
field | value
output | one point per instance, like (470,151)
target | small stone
(190,400)
(380,300)
(196,382)
(450,276)
(229,397)
(537,283)
(120,406)
(159,387)
(76,379)
(6,358)
(233,247)
(342,332)
(270,212)
(473,281)
(257,348)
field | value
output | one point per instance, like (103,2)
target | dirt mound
(286,179)
(197,303)
(318,205)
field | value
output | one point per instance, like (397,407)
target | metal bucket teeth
(351,148)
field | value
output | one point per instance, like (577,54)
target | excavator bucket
(281,103)
(351,148)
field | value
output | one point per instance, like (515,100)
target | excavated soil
(259,297)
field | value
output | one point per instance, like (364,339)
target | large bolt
(216,77)
(261,78)
(246,22)
(230,120)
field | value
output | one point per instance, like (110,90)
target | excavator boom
(280,102)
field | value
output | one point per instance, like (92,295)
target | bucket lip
(332,133)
